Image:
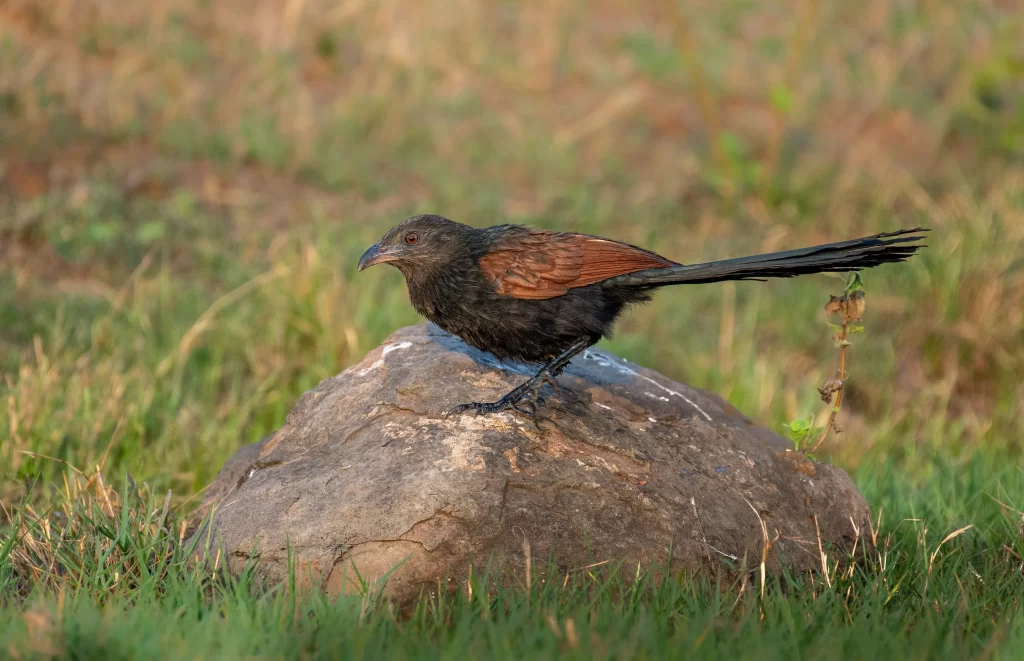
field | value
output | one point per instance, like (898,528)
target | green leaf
(799,431)
(855,283)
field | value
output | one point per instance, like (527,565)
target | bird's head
(417,245)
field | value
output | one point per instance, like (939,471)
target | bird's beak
(375,255)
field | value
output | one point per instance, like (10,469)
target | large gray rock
(367,474)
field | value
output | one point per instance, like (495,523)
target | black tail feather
(852,255)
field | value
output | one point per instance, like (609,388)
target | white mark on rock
(367,370)
(395,347)
(651,419)
(653,396)
(603,406)
(624,369)
(385,351)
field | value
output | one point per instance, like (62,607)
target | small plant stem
(839,393)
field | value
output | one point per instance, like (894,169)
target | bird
(541,297)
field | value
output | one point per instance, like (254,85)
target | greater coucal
(542,297)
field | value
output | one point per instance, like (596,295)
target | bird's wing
(537,264)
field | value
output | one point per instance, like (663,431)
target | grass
(185,188)
(106,573)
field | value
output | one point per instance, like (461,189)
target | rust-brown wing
(541,264)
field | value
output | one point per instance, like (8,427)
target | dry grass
(607,79)
(693,129)
(59,550)
(185,186)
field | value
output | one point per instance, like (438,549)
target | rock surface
(367,474)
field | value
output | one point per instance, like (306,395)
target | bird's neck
(434,291)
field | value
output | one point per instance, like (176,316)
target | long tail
(852,255)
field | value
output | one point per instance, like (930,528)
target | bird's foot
(523,407)
(524,400)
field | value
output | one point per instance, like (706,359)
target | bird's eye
(411,238)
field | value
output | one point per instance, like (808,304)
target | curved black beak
(375,255)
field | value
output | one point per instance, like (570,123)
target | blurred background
(186,185)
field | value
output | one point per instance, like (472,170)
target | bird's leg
(528,392)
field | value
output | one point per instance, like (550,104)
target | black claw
(475,407)
(511,402)
(530,415)
(526,399)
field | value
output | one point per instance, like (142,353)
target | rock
(366,474)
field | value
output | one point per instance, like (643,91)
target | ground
(185,188)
